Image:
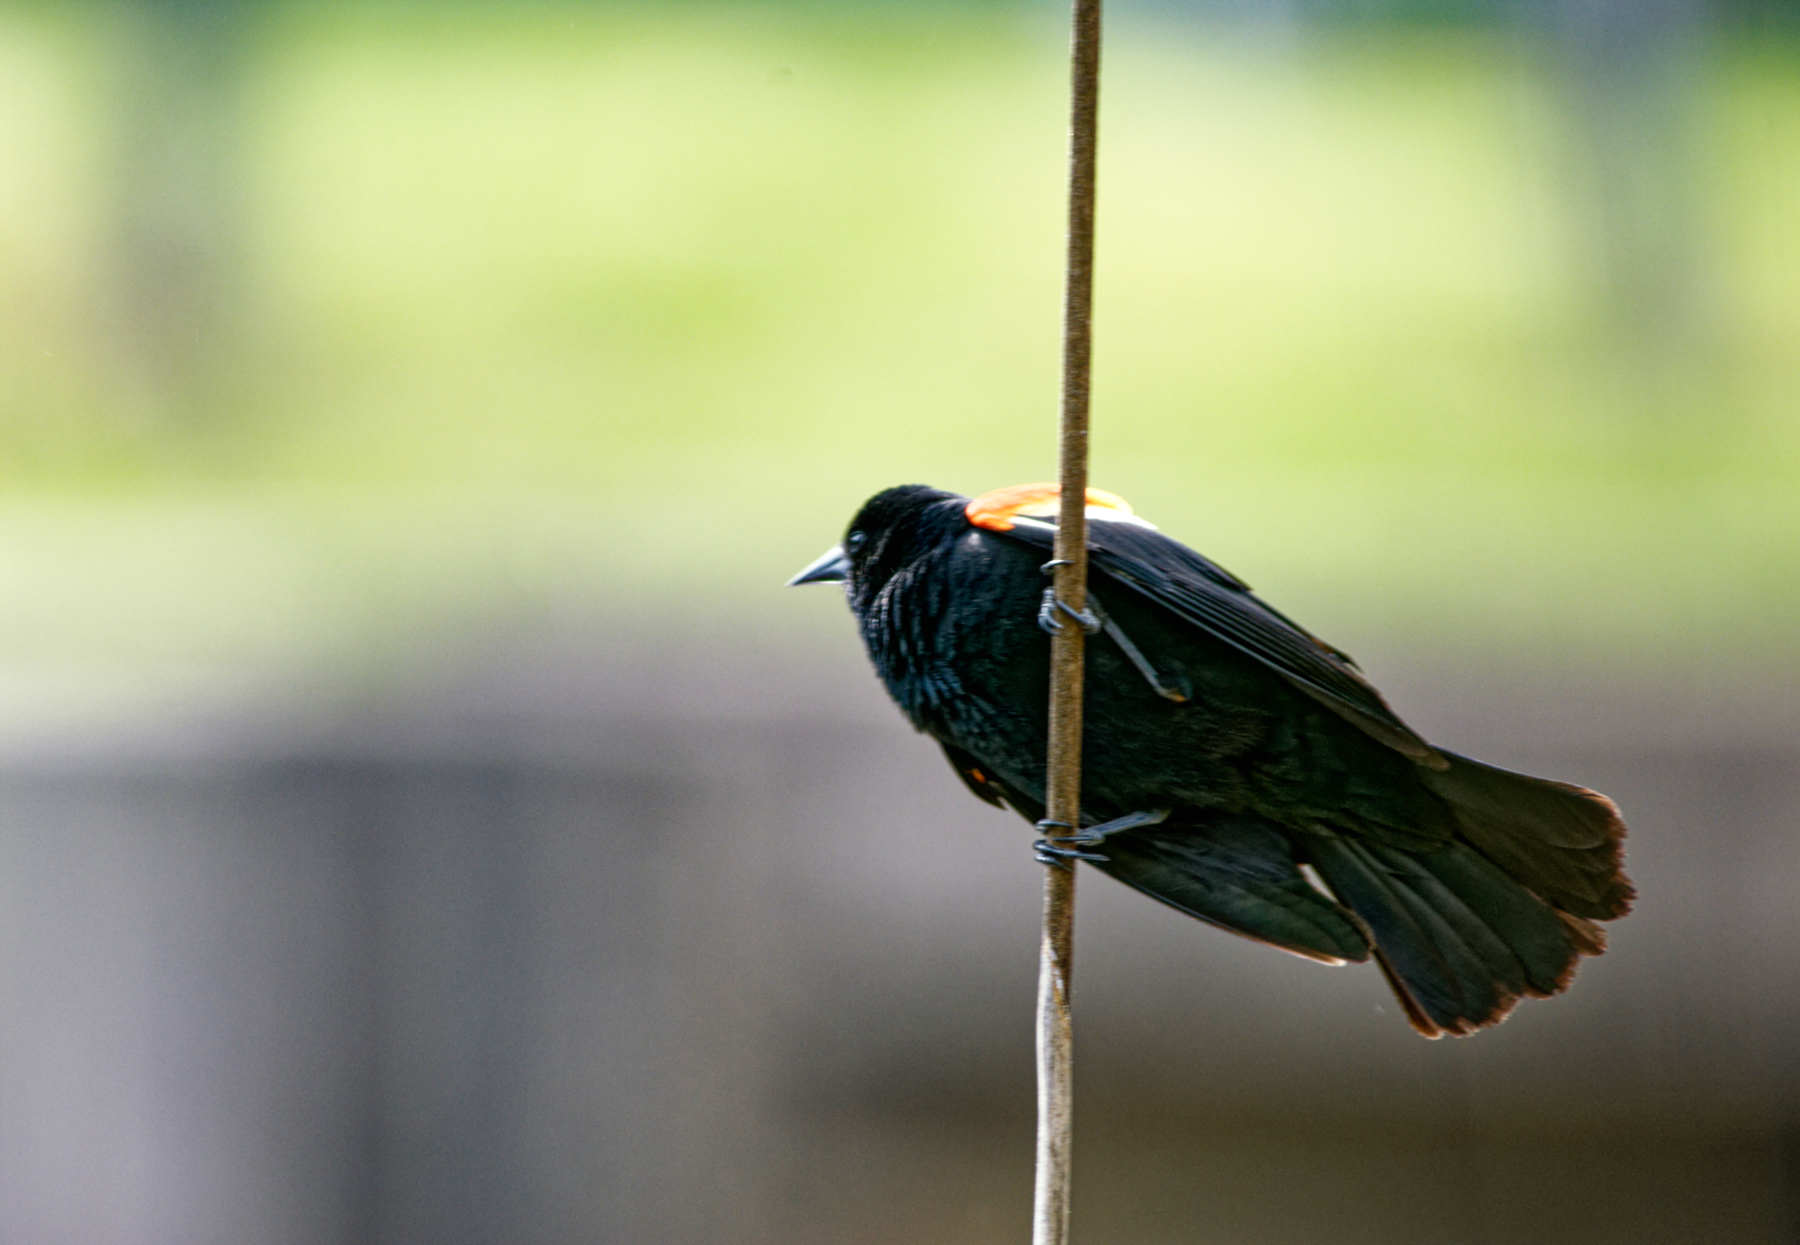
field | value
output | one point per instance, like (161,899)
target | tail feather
(1588,937)
(1416,879)
(1565,843)
(1541,939)
(1462,929)
(1439,977)
(1415,1015)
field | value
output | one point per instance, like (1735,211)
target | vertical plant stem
(1055,1036)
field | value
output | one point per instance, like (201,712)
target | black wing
(1231,870)
(1237,872)
(976,779)
(1206,595)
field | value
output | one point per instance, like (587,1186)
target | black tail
(1564,842)
(1504,911)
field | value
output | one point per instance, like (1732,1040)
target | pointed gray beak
(833,567)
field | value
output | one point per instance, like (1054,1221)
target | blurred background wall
(424,818)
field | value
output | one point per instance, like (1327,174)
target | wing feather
(1238,873)
(1212,599)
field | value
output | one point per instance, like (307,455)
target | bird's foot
(1051,849)
(1093,620)
(1062,850)
(1053,604)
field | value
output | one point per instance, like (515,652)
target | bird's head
(892,527)
(899,524)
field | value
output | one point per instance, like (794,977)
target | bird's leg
(1179,695)
(1062,850)
(1096,619)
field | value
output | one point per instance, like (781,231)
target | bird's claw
(1046,852)
(1051,849)
(1061,850)
(1047,611)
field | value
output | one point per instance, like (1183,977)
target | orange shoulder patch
(995,511)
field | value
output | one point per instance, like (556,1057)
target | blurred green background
(424,816)
(378,326)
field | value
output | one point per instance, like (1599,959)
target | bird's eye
(855,541)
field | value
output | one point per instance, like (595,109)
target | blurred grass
(609,316)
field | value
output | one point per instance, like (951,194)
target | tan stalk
(1055,1044)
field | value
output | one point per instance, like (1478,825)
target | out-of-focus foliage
(590,312)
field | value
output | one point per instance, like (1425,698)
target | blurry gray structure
(662,947)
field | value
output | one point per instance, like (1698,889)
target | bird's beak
(833,567)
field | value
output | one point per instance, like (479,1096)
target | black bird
(1226,750)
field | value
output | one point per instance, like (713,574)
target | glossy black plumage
(1472,886)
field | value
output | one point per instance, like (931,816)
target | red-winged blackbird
(1224,749)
